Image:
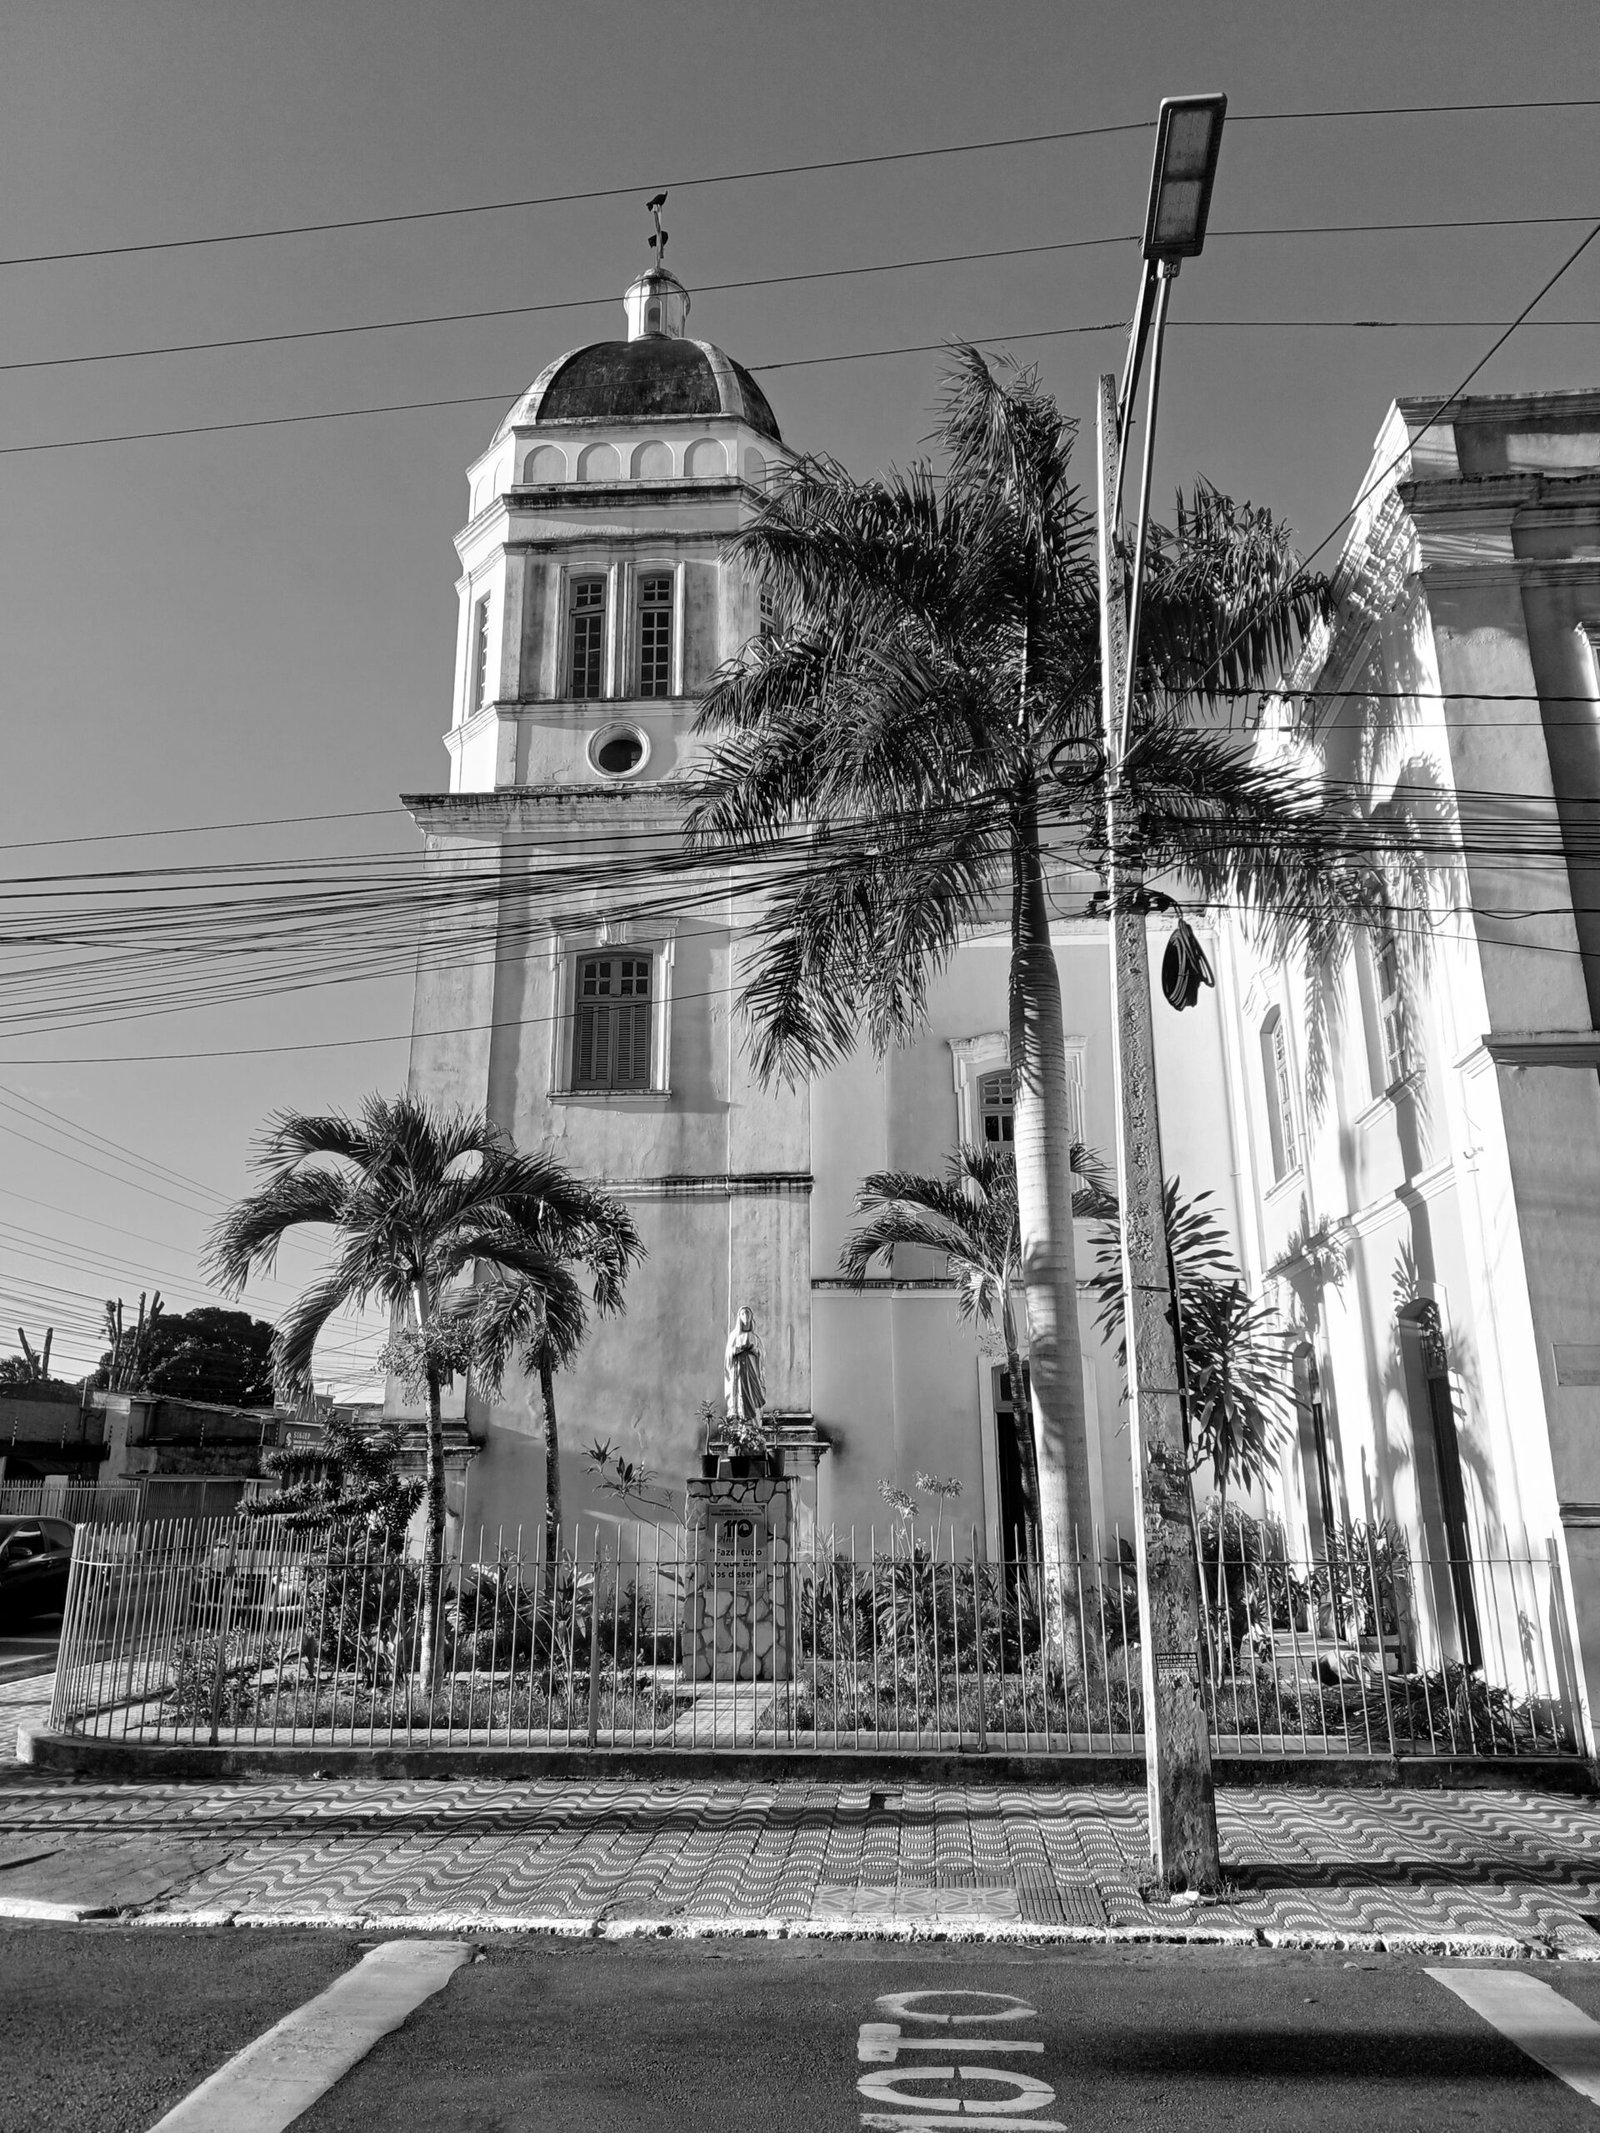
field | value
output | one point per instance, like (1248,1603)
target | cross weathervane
(658,243)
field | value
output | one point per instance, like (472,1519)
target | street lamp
(1183,1818)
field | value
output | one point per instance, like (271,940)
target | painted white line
(1536,2019)
(266,2086)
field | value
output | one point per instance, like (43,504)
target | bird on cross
(658,243)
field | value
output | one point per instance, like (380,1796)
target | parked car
(35,1557)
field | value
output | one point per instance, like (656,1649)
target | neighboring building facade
(598,1014)
(1434,1224)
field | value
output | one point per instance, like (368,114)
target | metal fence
(78,1502)
(249,1630)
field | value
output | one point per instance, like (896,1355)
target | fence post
(225,1608)
(594,1649)
(977,1645)
(1383,1656)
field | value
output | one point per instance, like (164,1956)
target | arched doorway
(1435,1426)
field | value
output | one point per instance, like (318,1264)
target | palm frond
(1227,602)
(245,1240)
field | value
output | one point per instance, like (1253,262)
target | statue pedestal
(737,1622)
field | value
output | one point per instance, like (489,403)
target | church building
(580,984)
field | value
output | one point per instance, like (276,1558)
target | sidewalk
(1457,1872)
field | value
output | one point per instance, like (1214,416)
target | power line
(505,397)
(770,170)
(1450,398)
(1301,575)
(203,829)
(773,281)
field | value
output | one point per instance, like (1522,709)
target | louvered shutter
(633,1046)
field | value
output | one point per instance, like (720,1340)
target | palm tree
(901,717)
(543,1319)
(415,1196)
(1233,1351)
(970,1216)
(906,729)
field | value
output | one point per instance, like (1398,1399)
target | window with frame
(1280,1096)
(997,1108)
(1386,986)
(611,1027)
(480,652)
(767,614)
(655,634)
(587,624)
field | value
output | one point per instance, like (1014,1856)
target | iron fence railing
(78,1502)
(252,1630)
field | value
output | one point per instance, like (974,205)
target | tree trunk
(433,1544)
(433,1539)
(1224,1626)
(552,1470)
(1043,1142)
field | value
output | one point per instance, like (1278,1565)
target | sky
(259,624)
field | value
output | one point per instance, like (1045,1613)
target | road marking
(882,2043)
(266,2086)
(1536,2019)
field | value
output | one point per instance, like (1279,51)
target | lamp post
(1182,1803)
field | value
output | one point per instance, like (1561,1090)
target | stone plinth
(736,1617)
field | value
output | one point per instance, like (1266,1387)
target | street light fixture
(1182,1802)
(1188,142)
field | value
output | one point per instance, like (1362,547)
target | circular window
(619,752)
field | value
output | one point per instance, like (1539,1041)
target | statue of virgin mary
(744,1392)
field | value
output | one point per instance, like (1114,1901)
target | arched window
(652,461)
(1432,1401)
(546,462)
(1013,1431)
(996,1110)
(479,652)
(1316,1466)
(599,462)
(587,622)
(705,457)
(655,633)
(1390,998)
(1279,1091)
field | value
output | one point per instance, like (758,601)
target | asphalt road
(110,2026)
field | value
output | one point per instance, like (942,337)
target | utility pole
(1183,1816)
(1182,1800)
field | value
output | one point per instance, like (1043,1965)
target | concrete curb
(1461,1947)
(40,1910)
(75,1755)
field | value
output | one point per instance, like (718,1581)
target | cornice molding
(715,1185)
(1544,1048)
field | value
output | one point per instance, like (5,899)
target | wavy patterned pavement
(1490,1871)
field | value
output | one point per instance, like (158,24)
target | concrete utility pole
(1183,1816)
(1182,1801)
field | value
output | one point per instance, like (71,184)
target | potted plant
(746,1446)
(708,1457)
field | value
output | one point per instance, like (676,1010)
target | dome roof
(652,378)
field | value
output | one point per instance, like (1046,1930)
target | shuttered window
(480,653)
(588,624)
(1279,1083)
(655,635)
(611,1034)
(1391,1002)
